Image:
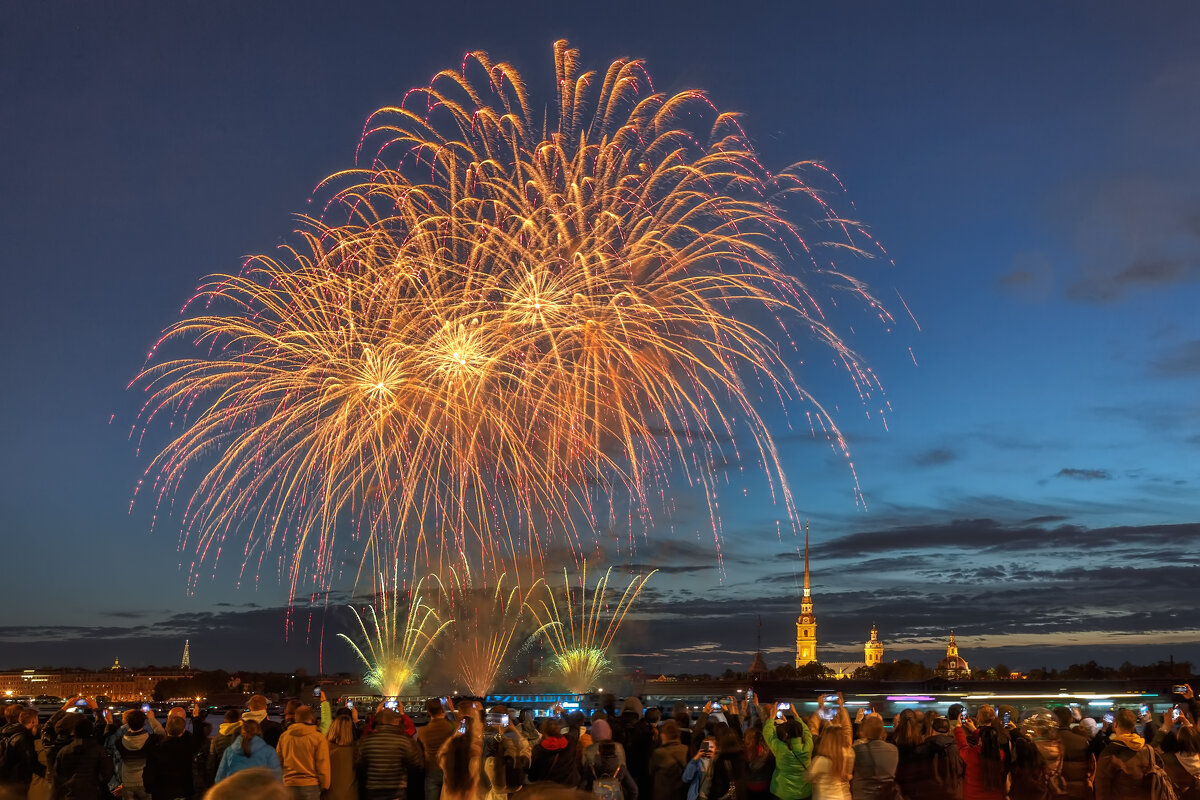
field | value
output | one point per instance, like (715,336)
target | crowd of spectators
(734,750)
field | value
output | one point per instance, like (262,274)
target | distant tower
(953,665)
(116,663)
(874,649)
(186,661)
(806,623)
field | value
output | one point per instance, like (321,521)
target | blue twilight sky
(1030,168)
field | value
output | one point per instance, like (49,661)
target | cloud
(1084,474)
(935,457)
(1031,277)
(1184,362)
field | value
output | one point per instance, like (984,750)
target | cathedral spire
(806,586)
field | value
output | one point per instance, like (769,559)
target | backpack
(1161,786)
(608,787)
(947,769)
(10,759)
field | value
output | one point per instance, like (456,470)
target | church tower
(806,623)
(873,650)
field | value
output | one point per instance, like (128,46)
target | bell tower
(806,623)
(873,650)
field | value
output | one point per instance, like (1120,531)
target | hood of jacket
(256,744)
(254,716)
(1130,740)
(554,743)
(301,730)
(135,740)
(229,728)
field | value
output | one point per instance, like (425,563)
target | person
(604,764)
(343,779)
(875,760)
(505,767)
(941,774)
(667,763)
(832,764)
(1123,767)
(249,750)
(1180,744)
(637,737)
(1036,772)
(260,783)
(386,754)
(554,757)
(269,729)
(460,760)
(907,738)
(83,768)
(18,744)
(304,756)
(1078,765)
(698,773)
(760,765)
(432,736)
(168,772)
(985,761)
(227,732)
(133,747)
(790,741)
(728,778)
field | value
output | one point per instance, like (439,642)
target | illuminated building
(806,623)
(873,649)
(953,665)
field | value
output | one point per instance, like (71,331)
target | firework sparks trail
(487,621)
(581,642)
(498,328)
(397,629)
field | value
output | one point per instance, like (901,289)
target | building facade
(117,684)
(873,649)
(953,665)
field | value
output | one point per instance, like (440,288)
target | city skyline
(1028,479)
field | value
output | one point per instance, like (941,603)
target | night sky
(1029,167)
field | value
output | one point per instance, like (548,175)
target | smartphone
(317,692)
(349,704)
(391,704)
(1176,713)
(1007,717)
(784,707)
(831,698)
(462,726)
(84,703)
(497,720)
(1180,689)
(1144,710)
(145,708)
(1108,717)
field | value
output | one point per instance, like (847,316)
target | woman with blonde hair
(343,780)
(833,763)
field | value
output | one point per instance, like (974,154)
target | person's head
(728,742)
(632,705)
(669,732)
(304,715)
(434,707)
(27,718)
(1088,727)
(232,716)
(460,765)
(985,716)
(906,733)
(550,728)
(177,711)
(289,711)
(386,716)
(1187,739)
(250,729)
(257,782)
(135,718)
(12,712)
(256,703)
(752,737)
(871,727)
(601,732)
(939,725)
(341,731)
(85,727)
(1124,721)
(834,745)
(175,726)
(1063,715)
(576,719)
(653,715)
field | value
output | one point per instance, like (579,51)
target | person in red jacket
(983,761)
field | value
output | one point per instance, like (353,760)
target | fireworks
(500,329)
(486,622)
(581,643)
(395,644)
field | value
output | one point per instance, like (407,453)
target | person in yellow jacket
(304,754)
